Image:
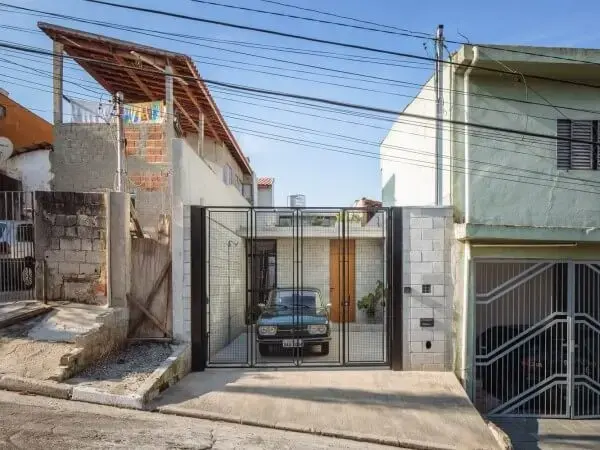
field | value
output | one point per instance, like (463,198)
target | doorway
(342,280)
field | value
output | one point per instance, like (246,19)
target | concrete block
(436,347)
(433,256)
(415,279)
(91,395)
(433,234)
(421,267)
(85,232)
(440,335)
(54,244)
(415,256)
(57,231)
(74,256)
(438,267)
(432,367)
(433,278)
(416,347)
(95,257)
(70,232)
(439,245)
(54,255)
(86,221)
(419,313)
(420,244)
(86,244)
(438,289)
(68,268)
(421,358)
(422,222)
(70,244)
(441,222)
(66,220)
(422,334)
(39,387)
(415,233)
(98,244)
(89,269)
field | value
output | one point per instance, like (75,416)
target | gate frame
(570,312)
(393,249)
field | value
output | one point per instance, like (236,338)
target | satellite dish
(6,149)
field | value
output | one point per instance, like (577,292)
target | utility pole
(120,140)
(439,112)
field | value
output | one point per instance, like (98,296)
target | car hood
(292,318)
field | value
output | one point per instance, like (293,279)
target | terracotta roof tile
(265,181)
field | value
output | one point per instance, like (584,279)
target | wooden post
(57,81)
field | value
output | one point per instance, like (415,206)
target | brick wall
(85,160)
(428,293)
(70,235)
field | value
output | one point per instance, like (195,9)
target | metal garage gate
(537,338)
(296,287)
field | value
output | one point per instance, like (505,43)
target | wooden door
(342,285)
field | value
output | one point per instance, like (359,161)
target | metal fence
(296,286)
(537,326)
(17,257)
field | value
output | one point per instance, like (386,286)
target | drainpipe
(467,366)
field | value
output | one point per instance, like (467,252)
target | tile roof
(265,181)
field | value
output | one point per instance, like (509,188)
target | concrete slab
(17,311)
(67,323)
(551,434)
(405,409)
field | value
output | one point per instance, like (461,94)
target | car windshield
(295,299)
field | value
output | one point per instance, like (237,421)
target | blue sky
(326,178)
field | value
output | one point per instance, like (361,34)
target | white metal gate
(537,338)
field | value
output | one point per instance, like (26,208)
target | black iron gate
(295,286)
(17,258)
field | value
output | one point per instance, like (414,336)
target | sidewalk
(425,410)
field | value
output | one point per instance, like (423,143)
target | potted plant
(372,304)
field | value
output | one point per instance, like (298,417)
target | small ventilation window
(426,289)
(2,112)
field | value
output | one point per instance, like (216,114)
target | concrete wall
(31,168)
(427,239)
(194,183)
(71,236)
(265,196)
(85,160)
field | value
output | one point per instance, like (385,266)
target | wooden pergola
(138,71)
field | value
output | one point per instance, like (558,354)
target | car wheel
(27,277)
(325,348)
(264,349)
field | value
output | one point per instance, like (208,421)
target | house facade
(525,211)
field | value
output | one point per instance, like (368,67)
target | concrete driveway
(551,434)
(405,409)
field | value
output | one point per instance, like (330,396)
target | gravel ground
(32,423)
(125,371)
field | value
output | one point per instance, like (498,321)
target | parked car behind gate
(17,262)
(293,318)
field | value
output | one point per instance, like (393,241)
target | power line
(329,42)
(396,82)
(312,99)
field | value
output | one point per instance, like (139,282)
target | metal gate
(296,286)
(537,338)
(17,258)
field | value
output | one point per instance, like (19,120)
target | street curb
(168,373)
(371,439)
(38,387)
(500,436)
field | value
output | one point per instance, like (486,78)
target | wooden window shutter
(563,148)
(581,154)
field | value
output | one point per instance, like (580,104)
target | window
(577,155)
(227,174)
(25,233)
(2,111)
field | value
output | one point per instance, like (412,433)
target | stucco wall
(32,169)
(194,183)
(542,196)
(22,126)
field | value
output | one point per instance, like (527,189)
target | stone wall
(71,237)
(428,288)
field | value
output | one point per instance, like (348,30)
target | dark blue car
(293,318)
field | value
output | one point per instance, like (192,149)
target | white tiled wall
(427,238)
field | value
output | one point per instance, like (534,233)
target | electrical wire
(329,42)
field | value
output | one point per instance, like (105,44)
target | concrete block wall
(85,160)
(428,288)
(71,237)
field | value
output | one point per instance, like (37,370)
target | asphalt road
(31,422)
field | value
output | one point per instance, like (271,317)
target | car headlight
(267,330)
(317,329)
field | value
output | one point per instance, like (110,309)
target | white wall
(408,152)
(32,168)
(265,197)
(194,183)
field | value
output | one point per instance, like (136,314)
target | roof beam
(187,115)
(135,78)
(89,69)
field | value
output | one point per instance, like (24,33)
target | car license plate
(288,343)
